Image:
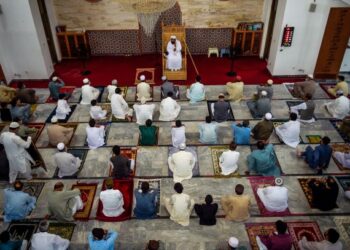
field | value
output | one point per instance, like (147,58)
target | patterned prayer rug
(154,184)
(53,113)
(336,124)
(344,182)
(126,187)
(65,230)
(87,195)
(33,188)
(314,139)
(130,153)
(22,230)
(255,147)
(231,116)
(262,182)
(193,150)
(343,227)
(216,152)
(177,89)
(81,153)
(300,229)
(259,229)
(341,147)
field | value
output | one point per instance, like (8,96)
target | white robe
(302,106)
(179,207)
(343,159)
(289,133)
(113,202)
(181,164)
(119,107)
(178,136)
(143,112)
(95,136)
(111,91)
(339,108)
(143,90)
(274,198)
(97,113)
(62,110)
(174,58)
(228,162)
(48,241)
(88,93)
(169,109)
(67,164)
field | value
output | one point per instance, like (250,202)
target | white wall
(301,57)
(53,23)
(266,20)
(24,52)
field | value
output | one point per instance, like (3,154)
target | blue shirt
(54,88)
(104,244)
(207,133)
(18,204)
(319,157)
(241,134)
(264,162)
(197,92)
(11,245)
(145,205)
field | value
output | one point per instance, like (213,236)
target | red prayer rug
(87,194)
(63,90)
(259,229)
(308,229)
(129,153)
(126,187)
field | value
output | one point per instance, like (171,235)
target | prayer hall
(174,124)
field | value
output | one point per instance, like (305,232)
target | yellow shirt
(235,90)
(236,207)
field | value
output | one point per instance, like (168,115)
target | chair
(213,51)
(147,72)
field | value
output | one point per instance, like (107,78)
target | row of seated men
(62,205)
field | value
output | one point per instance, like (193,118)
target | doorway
(270,29)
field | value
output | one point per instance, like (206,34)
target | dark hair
(178,187)
(118,90)
(98,233)
(208,199)
(20,85)
(116,150)
(308,96)
(109,183)
(148,122)
(208,119)
(61,96)
(245,123)
(178,123)
(233,146)
(92,123)
(170,94)
(326,140)
(153,245)
(18,185)
(14,101)
(333,235)
(4,236)
(239,189)
(260,145)
(341,78)
(293,116)
(145,187)
(281,227)
(198,78)
(93,102)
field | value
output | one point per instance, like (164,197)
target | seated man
(181,164)
(143,89)
(68,164)
(279,240)
(274,198)
(120,108)
(167,87)
(88,93)
(146,205)
(63,109)
(341,85)
(96,112)
(58,133)
(95,135)
(228,160)
(178,134)
(265,87)
(221,109)
(324,193)
(173,54)
(54,86)
(20,110)
(17,204)
(343,158)
(263,129)
(206,212)
(241,132)
(207,131)
(196,92)
(289,132)
(6,93)
(122,166)
(102,239)
(111,89)
(300,89)
(305,110)
(143,111)
(7,244)
(63,204)
(236,207)
(263,161)
(148,134)
(340,107)
(331,242)
(112,200)
(44,240)
(235,89)
(179,206)
(261,106)
(169,109)
(319,157)
(26,95)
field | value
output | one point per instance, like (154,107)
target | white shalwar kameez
(47,241)
(174,58)
(119,106)
(67,163)
(62,110)
(289,133)
(143,112)
(274,198)
(169,109)
(181,164)
(88,93)
(113,202)
(339,108)
(178,136)
(97,113)
(95,136)
(228,162)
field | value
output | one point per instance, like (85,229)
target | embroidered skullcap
(142,78)
(14,125)
(60,146)
(233,242)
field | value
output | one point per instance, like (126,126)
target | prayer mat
(343,228)
(307,190)
(230,117)
(293,103)
(87,195)
(126,187)
(314,139)
(130,153)
(99,98)
(53,113)
(64,230)
(344,182)
(35,154)
(81,153)
(259,229)
(22,230)
(255,147)
(216,152)
(154,184)
(290,87)
(300,229)
(336,124)
(341,147)
(108,108)
(31,188)
(262,182)
(63,90)
(177,89)
(193,150)
(326,86)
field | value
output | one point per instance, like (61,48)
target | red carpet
(213,70)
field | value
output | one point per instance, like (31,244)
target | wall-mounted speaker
(0,10)
(312,7)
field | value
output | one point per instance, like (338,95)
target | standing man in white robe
(112,200)
(178,134)
(340,107)
(96,112)
(143,89)
(111,88)
(289,132)
(181,164)
(95,135)
(15,148)
(229,159)
(120,108)
(88,93)
(63,109)
(143,111)
(174,57)
(169,108)
(274,198)
(67,163)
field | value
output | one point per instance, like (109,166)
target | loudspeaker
(0,10)
(312,7)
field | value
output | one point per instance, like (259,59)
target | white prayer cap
(340,92)
(14,125)
(173,37)
(143,100)
(142,78)
(310,76)
(86,81)
(263,93)
(60,146)
(268,116)
(54,119)
(182,146)
(55,78)
(114,82)
(269,82)
(163,78)
(278,181)
(233,242)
